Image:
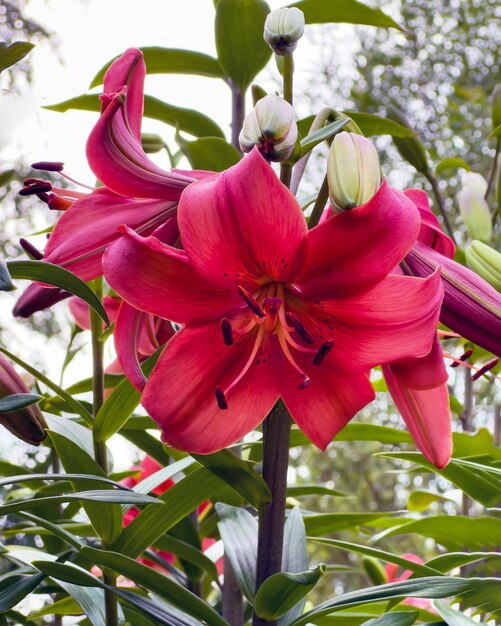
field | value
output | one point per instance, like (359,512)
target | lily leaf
(347,11)
(11,54)
(18,401)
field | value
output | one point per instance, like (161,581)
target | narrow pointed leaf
(348,11)
(15,588)
(209,153)
(6,283)
(156,582)
(296,491)
(238,530)
(372,125)
(451,560)
(187,552)
(332,522)
(18,401)
(171,61)
(310,141)
(281,592)
(11,54)
(294,558)
(453,617)
(394,619)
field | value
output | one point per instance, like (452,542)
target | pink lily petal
(80,310)
(165,284)
(355,249)
(328,403)
(126,332)
(116,157)
(84,231)
(180,393)
(426,414)
(425,372)
(252,227)
(129,69)
(393,320)
(430,234)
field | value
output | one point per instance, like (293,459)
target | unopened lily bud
(353,171)
(270,126)
(374,570)
(496,106)
(152,143)
(283,28)
(486,262)
(28,423)
(473,207)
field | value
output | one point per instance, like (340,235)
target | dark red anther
(34,186)
(251,302)
(227,331)
(221,399)
(323,351)
(486,368)
(44,197)
(464,357)
(48,166)
(30,249)
(296,324)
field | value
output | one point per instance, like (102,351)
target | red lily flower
(270,309)
(392,576)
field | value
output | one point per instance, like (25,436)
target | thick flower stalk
(271,309)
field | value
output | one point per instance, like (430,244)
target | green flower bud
(353,171)
(152,142)
(473,207)
(26,424)
(270,126)
(374,570)
(283,29)
(486,262)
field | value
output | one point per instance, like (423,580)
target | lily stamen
(323,351)
(251,302)
(227,331)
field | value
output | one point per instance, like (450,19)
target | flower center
(268,311)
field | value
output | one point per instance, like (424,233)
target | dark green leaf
(186,120)
(242,51)
(310,141)
(161,612)
(171,61)
(294,558)
(296,491)
(182,498)
(453,617)
(6,283)
(56,529)
(68,572)
(156,582)
(58,277)
(187,552)
(16,587)
(24,478)
(348,11)
(238,474)
(238,530)
(18,401)
(327,523)
(209,153)
(281,592)
(11,54)
(120,404)
(394,619)
(74,404)
(372,125)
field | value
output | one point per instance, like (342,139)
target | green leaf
(419,501)
(92,603)
(6,176)
(281,592)
(186,120)
(387,557)
(171,61)
(56,529)
(431,587)
(73,404)
(238,530)
(451,163)
(238,474)
(209,153)
(294,558)
(25,478)
(58,277)
(18,401)
(359,432)
(106,520)
(406,618)
(155,582)
(11,54)
(72,430)
(451,560)
(453,617)
(15,588)
(496,132)
(310,141)
(348,11)
(67,572)
(372,125)
(242,51)
(120,404)
(186,552)
(64,606)
(182,498)
(6,283)
(454,531)
(296,491)
(327,523)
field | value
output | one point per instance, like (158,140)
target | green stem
(318,207)
(276,434)
(100,451)
(440,203)
(288,86)
(237,114)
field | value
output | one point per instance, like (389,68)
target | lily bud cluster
(353,171)
(270,126)
(486,262)
(283,29)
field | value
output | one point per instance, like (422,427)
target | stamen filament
(285,348)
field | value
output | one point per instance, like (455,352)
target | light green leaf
(11,54)
(58,277)
(419,501)
(394,619)
(310,141)
(372,125)
(242,51)
(155,582)
(294,558)
(281,592)
(347,11)
(496,132)
(451,163)
(171,61)
(359,432)
(238,530)
(18,401)
(296,491)
(326,523)
(451,560)
(209,153)
(453,617)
